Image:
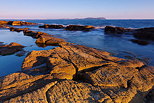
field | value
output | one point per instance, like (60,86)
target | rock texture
(50,40)
(116,30)
(79,28)
(76,73)
(52,26)
(10,49)
(34,34)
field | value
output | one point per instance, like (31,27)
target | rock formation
(18,29)
(144,33)
(52,26)
(10,49)
(79,28)
(115,30)
(76,73)
(20,23)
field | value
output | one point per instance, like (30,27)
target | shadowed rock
(97,77)
(144,33)
(18,29)
(10,49)
(116,30)
(52,26)
(79,28)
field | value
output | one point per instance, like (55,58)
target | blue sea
(117,45)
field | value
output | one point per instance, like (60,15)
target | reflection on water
(12,63)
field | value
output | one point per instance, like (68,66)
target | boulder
(116,30)
(49,40)
(52,26)
(10,49)
(79,28)
(18,29)
(144,33)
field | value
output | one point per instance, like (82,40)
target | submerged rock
(18,29)
(140,42)
(52,26)
(116,30)
(144,33)
(10,49)
(79,28)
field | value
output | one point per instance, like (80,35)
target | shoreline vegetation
(76,73)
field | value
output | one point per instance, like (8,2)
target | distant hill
(95,18)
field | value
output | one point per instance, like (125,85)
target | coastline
(70,64)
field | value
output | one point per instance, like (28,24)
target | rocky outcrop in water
(79,28)
(34,34)
(20,23)
(47,26)
(116,30)
(50,40)
(144,33)
(18,29)
(10,49)
(76,73)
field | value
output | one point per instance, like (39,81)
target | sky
(67,9)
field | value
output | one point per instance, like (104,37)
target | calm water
(118,45)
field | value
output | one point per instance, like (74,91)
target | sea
(117,45)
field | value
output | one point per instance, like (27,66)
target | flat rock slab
(10,49)
(78,74)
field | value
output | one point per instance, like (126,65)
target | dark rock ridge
(18,29)
(79,28)
(10,49)
(34,34)
(116,30)
(52,26)
(76,73)
(144,33)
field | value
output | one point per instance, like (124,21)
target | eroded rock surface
(78,74)
(10,49)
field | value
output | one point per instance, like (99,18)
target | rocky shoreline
(76,73)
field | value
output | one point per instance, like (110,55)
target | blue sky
(57,9)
